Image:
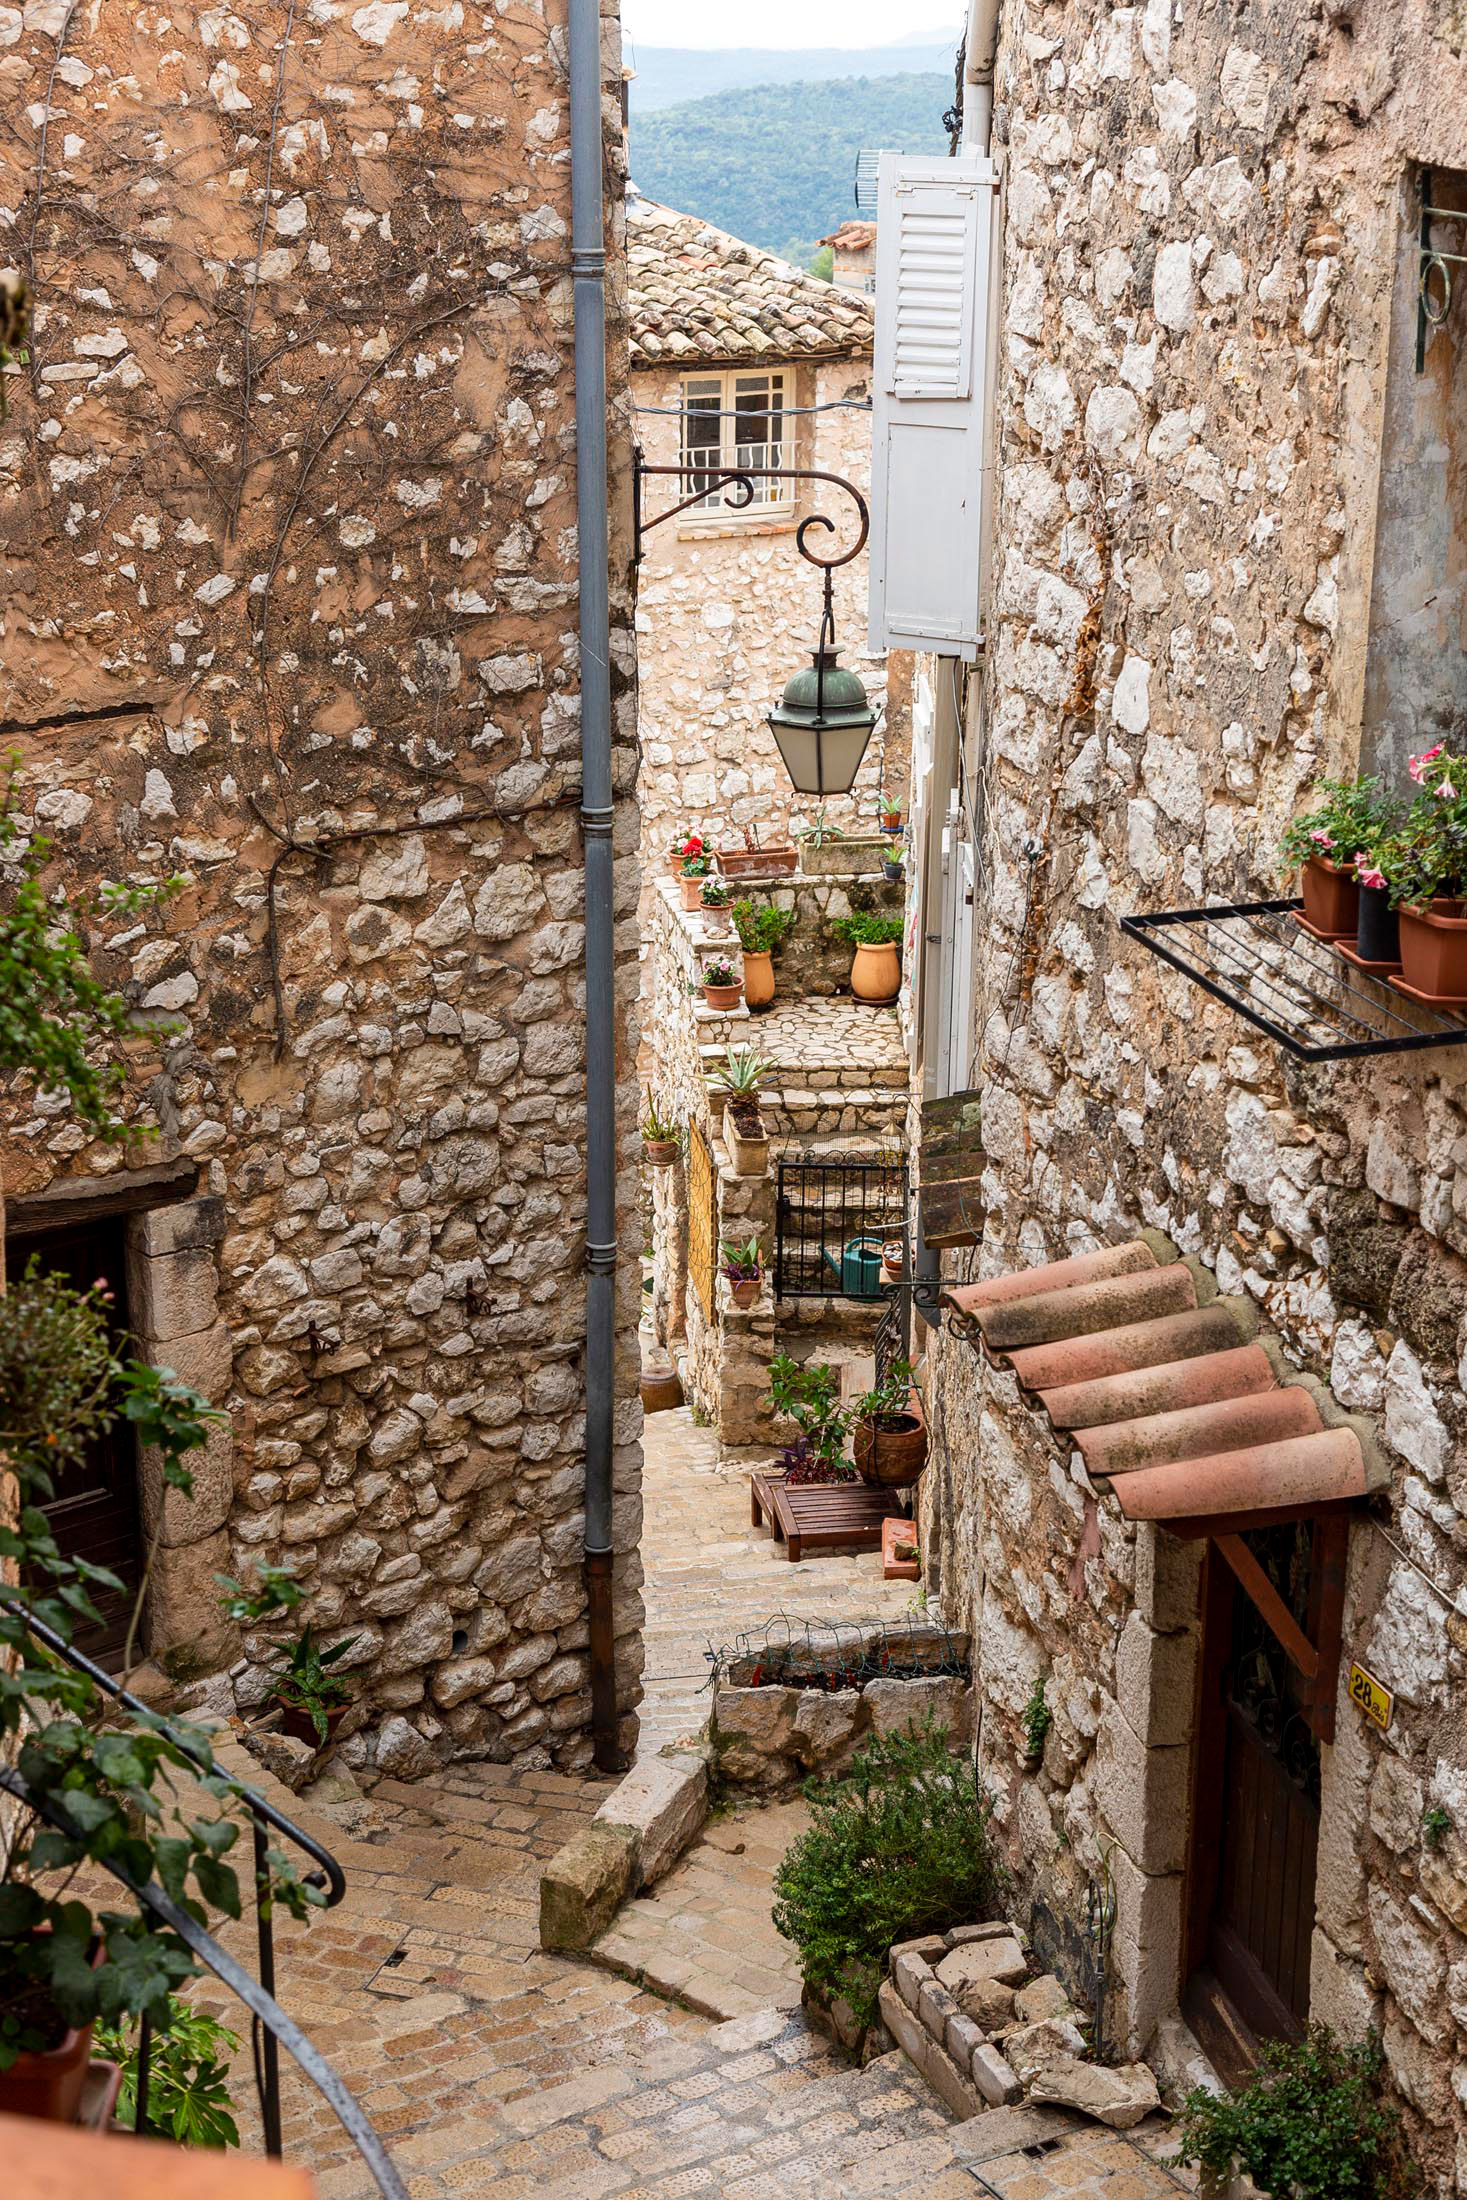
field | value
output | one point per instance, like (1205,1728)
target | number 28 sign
(1376,1702)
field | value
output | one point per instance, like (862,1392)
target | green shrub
(899,1846)
(762,929)
(865,929)
(1312,2123)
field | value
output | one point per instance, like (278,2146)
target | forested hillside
(776,164)
(668,75)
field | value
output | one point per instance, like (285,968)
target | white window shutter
(936,254)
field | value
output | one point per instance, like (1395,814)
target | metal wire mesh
(830,1654)
(831,1219)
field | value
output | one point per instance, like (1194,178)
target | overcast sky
(782,22)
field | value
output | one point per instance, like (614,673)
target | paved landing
(711,1574)
(705,1933)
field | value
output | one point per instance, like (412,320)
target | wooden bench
(818,1516)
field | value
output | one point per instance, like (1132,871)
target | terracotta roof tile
(1163,1387)
(698,294)
(1166,1389)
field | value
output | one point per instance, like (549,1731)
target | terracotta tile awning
(1166,1390)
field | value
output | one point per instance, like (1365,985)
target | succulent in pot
(762,930)
(740,1082)
(661,1139)
(889,1440)
(891,869)
(313,1699)
(721,986)
(876,966)
(891,816)
(1321,846)
(743,1265)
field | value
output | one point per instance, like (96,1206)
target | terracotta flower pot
(1434,955)
(718,921)
(48,2083)
(723,996)
(876,973)
(758,978)
(659,1153)
(891,821)
(692,893)
(745,1292)
(890,1453)
(298,1724)
(759,862)
(1331,899)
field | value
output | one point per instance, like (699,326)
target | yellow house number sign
(1376,1702)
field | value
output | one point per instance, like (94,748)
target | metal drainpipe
(588,278)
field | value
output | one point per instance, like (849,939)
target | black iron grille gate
(831,1219)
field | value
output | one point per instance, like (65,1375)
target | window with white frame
(735,419)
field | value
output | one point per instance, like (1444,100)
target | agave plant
(743,1073)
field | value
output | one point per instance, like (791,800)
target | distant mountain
(668,75)
(776,164)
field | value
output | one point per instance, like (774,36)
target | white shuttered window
(936,258)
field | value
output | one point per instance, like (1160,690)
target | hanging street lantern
(823,720)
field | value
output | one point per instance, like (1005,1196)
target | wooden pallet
(818,1516)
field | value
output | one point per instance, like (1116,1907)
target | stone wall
(1207,217)
(723,619)
(289,605)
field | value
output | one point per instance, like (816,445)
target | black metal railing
(831,1219)
(270,2027)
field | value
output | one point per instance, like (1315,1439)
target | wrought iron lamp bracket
(743,479)
(1434,265)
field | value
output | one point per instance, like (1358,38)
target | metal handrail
(270,2026)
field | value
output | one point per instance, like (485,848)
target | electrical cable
(782,412)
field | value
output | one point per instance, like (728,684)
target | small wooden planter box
(818,1516)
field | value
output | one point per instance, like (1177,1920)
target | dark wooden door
(1256,1828)
(94,1514)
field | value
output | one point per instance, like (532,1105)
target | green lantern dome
(822,723)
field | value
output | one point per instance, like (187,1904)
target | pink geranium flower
(1321,838)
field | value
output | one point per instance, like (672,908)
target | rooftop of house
(852,237)
(698,294)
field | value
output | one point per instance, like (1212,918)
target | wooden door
(95,1513)
(1256,1820)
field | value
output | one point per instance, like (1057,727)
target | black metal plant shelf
(1254,958)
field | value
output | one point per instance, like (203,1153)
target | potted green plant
(762,931)
(1321,846)
(890,814)
(1423,866)
(696,865)
(713,902)
(743,1265)
(891,868)
(721,987)
(1313,2121)
(106,1786)
(661,1141)
(313,1699)
(752,861)
(889,1438)
(740,1082)
(809,1395)
(876,966)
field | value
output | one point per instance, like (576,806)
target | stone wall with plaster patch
(289,610)
(1207,220)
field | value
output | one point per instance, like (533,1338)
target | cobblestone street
(491,2068)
